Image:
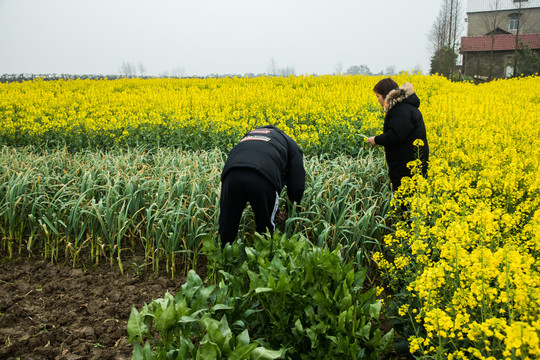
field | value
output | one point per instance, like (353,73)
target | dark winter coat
(403,124)
(275,155)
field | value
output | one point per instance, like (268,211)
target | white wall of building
(490,5)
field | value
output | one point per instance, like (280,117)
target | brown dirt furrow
(55,311)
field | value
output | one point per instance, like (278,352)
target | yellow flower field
(190,113)
(472,240)
(463,266)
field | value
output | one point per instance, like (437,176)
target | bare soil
(57,311)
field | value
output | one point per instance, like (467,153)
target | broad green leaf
(251,312)
(187,319)
(264,253)
(207,351)
(375,309)
(175,354)
(157,307)
(135,327)
(375,339)
(350,314)
(333,339)
(261,353)
(213,330)
(263,290)
(319,297)
(367,297)
(168,297)
(243,338)
(210,244)
(299,246)
(242,352)
(137,352)
(183,349)
(200,298)
(310,312)
(386,340)
(144,353)
(359,278)
(350,278)
(240,323)
(254,280)
(235,250)
(298,326)
(196,313)
(277,262)
(181,307)
(225,329)
(192,284)
(167,319)
(313,337)
(271,282)
(204,293)
(146,311)
(364,331)
(219,307)
(346,302)
(251,254)
(283,284)
(342,318)
(147,351)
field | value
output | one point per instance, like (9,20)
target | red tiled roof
(502,42)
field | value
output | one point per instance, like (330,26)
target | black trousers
(240,186)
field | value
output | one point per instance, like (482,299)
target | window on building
(514,23)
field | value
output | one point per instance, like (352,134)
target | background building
(503,38)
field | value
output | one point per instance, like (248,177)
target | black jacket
(403,124)
(275,155)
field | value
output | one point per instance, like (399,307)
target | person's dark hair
(384,86)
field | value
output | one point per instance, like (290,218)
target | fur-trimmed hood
(401,94)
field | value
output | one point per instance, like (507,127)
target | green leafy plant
(192,325)
(314,301)
(284,292)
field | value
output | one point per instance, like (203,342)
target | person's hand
(371,141)
(282,215)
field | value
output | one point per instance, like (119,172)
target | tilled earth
(55,311)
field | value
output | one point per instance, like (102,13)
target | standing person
(257,168)
(403,124)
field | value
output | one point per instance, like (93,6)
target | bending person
(257,168)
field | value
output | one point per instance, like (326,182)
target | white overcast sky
(202,37)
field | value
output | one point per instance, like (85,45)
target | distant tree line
(389,70)
(129,70)
(5,78)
